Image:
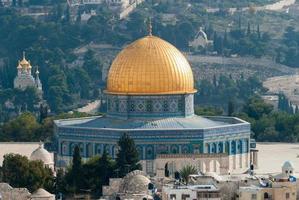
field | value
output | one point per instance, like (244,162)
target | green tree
(15,170)
(127,157)
(186,172)
(60,182)
(23,128)
(75,175)
(230,108)
(105,168)
(18,171)
(208,111)
(256,108)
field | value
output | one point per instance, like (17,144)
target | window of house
(185,196)
(172,196)
(149,166)
(287,195)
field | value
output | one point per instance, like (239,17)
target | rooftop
(193,122)
(193,187)
(22,148)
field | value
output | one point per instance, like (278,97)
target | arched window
(185,149)
(227,147)
(220,147)
(107,149)
(140,152)
(233,147)
(174,149)
(214,147)
(98,149)
(240,146)
(89,150)
(149,153)
(166,170)
(63,148)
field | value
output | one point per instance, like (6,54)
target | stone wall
(8,192)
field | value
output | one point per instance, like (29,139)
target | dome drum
(141,106)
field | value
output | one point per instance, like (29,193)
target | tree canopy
(18,171)
(127,159)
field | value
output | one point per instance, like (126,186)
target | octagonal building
(150,96)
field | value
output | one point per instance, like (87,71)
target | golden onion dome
(24,63)
(150,66)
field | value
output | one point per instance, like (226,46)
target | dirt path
(272,7)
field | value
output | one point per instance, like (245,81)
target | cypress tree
(240,23)
(215,41)
(248,29)
(127,156)
(76,171)
(281,102)
(231,108)
(291,110)
(105,169)
(215,81)
(258,32)
(225,40)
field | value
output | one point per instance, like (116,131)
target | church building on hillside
(150,96)
(24,78)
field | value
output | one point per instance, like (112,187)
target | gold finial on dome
(149,27)
(25,63)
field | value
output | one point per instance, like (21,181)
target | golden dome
(24,63)
(150,66)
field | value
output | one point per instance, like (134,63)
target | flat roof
(193,187)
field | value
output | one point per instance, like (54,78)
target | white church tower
(24,78)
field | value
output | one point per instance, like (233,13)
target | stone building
(42,194)
(200,40)
(133,186)
(24,78)
(43,155)
(150,96)
(190,192)
(8,192)
(279,187)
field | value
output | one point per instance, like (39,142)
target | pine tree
(127,156)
